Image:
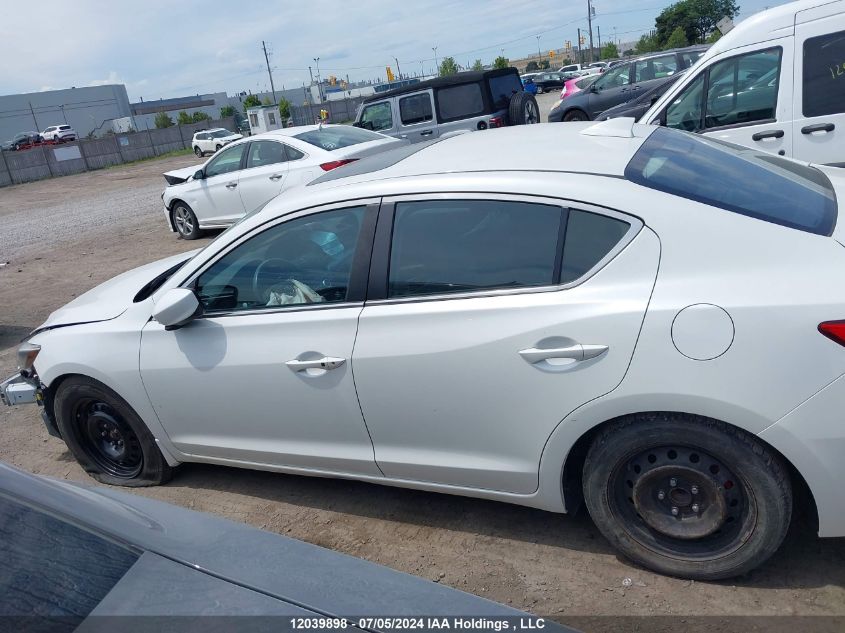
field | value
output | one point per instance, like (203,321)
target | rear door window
(460,102)
(655,68)
(415,109)
(263,153)
(737,179)
(589,238)
(824,75)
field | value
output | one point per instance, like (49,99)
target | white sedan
(643,319)
(248,173)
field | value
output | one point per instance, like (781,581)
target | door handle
(576,352)
(275,177)
(231,185)
(326,362)
(819,127)
(427,133)
(759,136)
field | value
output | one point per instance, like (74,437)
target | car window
(824,75)
(684,113)
(502,88)
(302,261)
(338,136)
(589,237)
(743,89)
(64,127)
(227,161)
(415,109)
(53,569)
(614,78)
(655,68)
(738,179)
(293,153)
(377,116)
(265,153)
(442,246)
(690,58)
(459,102)
(218,134)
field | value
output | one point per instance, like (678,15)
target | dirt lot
(66,235)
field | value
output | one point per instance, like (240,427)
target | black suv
(624,82)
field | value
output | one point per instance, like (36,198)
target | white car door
(819,125)
(215,199)
(264,173)
(263,376)
(485,327)
(743,97)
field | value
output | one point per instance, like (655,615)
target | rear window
(64,127)
(336,137)
(460,102)
(737,179)
(502,88)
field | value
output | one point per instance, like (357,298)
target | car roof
(465,77)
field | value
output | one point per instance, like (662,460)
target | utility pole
(539,54)
(436,61)
(598,28)
(590,25)
(33,117)
(269,72)
(580,56)
(398,70)
(319,81)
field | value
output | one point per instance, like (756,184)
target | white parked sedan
(213,140)
(644,319)
(248,173)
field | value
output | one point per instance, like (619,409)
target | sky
(162,49)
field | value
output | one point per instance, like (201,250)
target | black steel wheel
(106,436)
(687,496)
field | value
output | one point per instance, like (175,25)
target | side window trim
(377,288)
(245,158)
(429,121)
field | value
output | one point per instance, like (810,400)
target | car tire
(185,221)
(106,436)
(523,109)
(687,496)
(217,148)
(55,137)
(540,90)
(198,152)
(575,115)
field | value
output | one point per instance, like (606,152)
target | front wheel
(217,148)
(686,496)
(185,221)
(198,152)
(106,436)
(576,115)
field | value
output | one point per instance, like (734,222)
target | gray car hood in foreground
(194,563)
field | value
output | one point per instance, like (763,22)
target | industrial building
(144,112)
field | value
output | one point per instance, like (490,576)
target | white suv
(213,140)
(59,133)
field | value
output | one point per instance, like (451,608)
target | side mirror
(177,307)
(199,174)
(594,89)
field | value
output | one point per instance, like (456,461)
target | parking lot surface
(64,236)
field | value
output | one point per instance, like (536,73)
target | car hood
(178,176)
(110,299)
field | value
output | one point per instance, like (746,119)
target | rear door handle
(231,185)
(427,133)
(275,177)
(759,136)
(326,362)
(576,352)
(818,127)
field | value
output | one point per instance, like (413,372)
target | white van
(775,82)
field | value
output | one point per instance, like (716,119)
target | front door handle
(231,185)
(275,177)
(326,362)
(818,127)
(759,136)
(427,133)
(576,352)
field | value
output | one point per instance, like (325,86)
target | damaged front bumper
(17,390)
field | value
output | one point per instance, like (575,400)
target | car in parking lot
(474,100)
(249,172)
(528,319)
(639,105)
(624,82)
(59,133)
(548,81)
(214,140)
(21,140)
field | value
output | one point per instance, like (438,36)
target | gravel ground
(66,235)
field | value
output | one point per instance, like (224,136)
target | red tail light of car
(497,121)
(336,163)
(834,330)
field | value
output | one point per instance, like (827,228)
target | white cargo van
(776,82)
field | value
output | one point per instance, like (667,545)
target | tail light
(497,121)
(834,330)
(336,163)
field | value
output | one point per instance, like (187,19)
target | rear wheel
(106,436)
(198,151)
(185,221)
(217,148)
(539,90)
(523,109)
(686,496)
(576,115)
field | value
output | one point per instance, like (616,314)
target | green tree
(678,39)
(532,67)
(199,117)
(501,62)
(648,43)
(448,67)
(697,18)
(251,101)
(266,101)
(184,118)
(610,51)
(162,120)
(544,64)
(478,65)
(714,37)
(227,111)
(284,109)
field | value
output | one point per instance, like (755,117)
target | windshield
(338,136)
(220,133)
